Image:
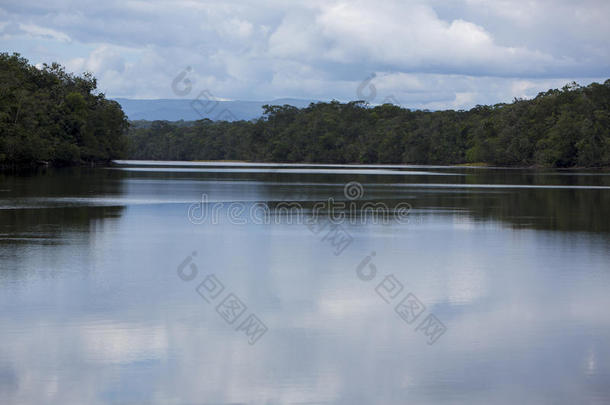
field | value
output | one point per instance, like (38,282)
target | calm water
(506,274)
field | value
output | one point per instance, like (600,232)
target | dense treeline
(48,115)
(559,128)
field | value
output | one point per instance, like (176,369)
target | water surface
(514,264)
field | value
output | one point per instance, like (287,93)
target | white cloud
(427,54)
(36,31)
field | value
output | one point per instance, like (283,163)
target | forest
(48,116)
(558,128)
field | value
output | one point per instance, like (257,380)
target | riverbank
(479,165)
(27,166)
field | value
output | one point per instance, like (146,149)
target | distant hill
(196,109)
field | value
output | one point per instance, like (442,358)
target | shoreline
(8,167)
(478,165)
(4,167)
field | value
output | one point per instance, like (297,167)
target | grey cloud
(476,51)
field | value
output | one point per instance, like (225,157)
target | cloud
(35,31)
(428,53)
(102,59)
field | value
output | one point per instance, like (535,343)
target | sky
(429,54)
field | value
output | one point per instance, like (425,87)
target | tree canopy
(558,128)
(49,115)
